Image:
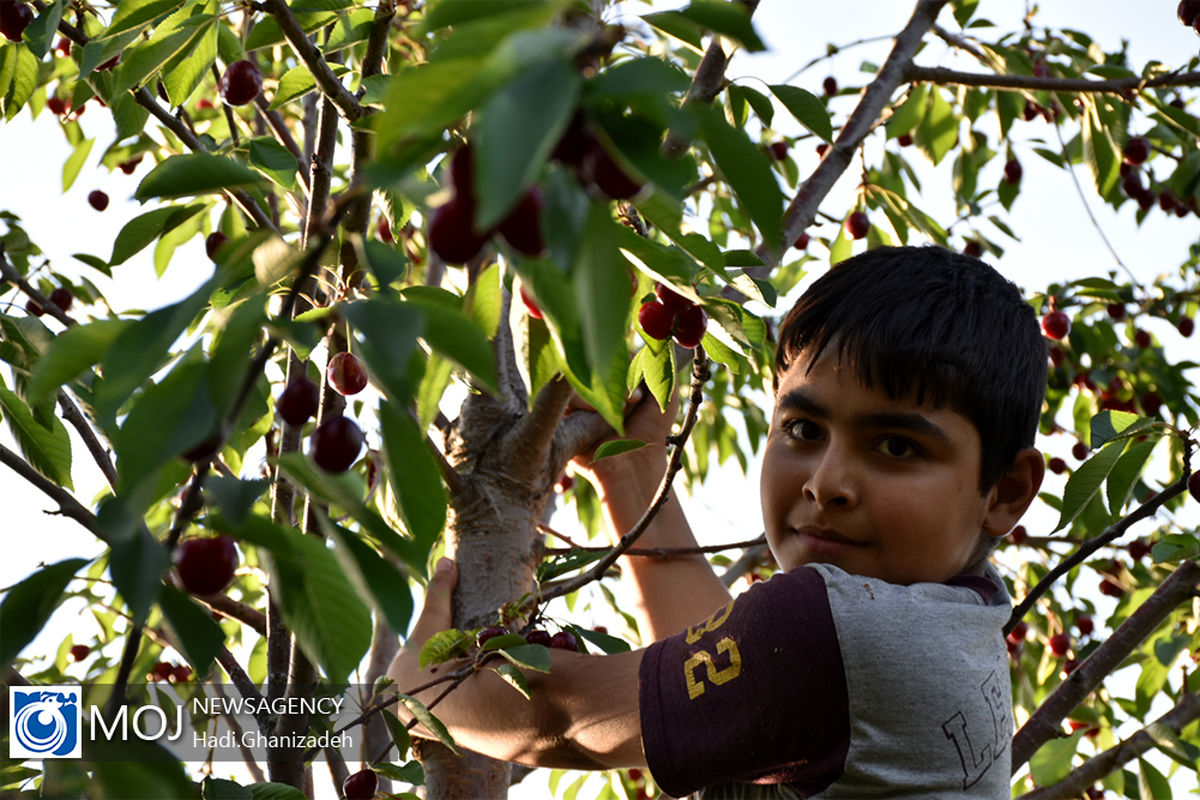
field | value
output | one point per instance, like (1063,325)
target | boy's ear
(1014,491)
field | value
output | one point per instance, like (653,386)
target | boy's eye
(803,430)
(897,446)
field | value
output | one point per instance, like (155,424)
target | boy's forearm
(582,715)
(673,592)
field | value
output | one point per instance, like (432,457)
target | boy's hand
(643,420)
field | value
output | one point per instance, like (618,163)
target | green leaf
(388,344)
(412,772)
(616,447)
(728,19)
(529,656)
(297,82)
(197,174)
(454,335)
(443,646)
(746,170)
(431,723)
(330,622)
(39,34)
(133,769)
(24,79)
(70,353)
(350,29)
(383,582)
(1085,483)
(276,791)
(517,129)
(75,162)
(198,636)
(938,132)
(423,100)
(130,117)
(345,491)
(143,59)
(1109,425)
(27,606)
(136,566)
(47,447)
(601,284)
(187,70)
(1125,473)
(910,113)
(131,14)
(609,644)
(398,731)
(275,161)
(808,110)
(1052,762)
(674,23)
(634,77)
(514,678)
(145,228)
(654,365)
(220,789)
(414,476)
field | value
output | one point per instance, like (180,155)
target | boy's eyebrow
(797,400)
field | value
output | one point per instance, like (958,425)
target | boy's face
(878,487)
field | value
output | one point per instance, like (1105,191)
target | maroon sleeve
(756,693)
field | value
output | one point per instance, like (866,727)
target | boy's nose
(831,483)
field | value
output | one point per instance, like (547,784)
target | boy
(908,382)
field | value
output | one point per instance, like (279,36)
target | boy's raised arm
(670,593)
(582,715)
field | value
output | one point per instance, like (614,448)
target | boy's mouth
(825,540)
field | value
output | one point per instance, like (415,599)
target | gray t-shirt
(823,684)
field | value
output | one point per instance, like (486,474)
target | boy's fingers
(436,615)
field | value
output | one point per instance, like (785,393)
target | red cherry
(822,149)
(1085,625)
(858,224)
(1146,199)
(830,85)
(522,228)
(564,640)
(97,199)
(1111,588)
(62,298)
(656,320)
(904,139)
(1116,311)
(1193,485)
(241,83)
(779,150)
(336,444)
(689,326)
(462,168)
(1070,665)
(299,401)
(1188,11)
(1013,171)
(1057,355)
(1081,451)
(162,671)
(1151,403)
(206,563)
(204,104)
(1142,338)
(57,106)
(14,19)
(1136,150)
(1019,534)
(452,232)
(603,172)
(1060,644)
(346,374)
(1057,465)
(490,632)
(674,301)
(802,241)
(385,231)
(1186,325)
(538,636)
(213,244)
(1019,631)
(1131,184)
(362,785)
(1056,325)
(1168,201)
(576,140)
(973,249)
(79,652)
(1139,549)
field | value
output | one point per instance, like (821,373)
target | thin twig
(662,552)
(942,75)
(1043,724)
(100,454)
(312,57)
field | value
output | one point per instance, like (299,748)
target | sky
(1059,242)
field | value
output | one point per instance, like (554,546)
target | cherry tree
(448,241)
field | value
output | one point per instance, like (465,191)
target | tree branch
(308,52)
(246,614)
(10,274)
(1043,724)
(1092,545)
(529,443)
(68,506)
(100,454)
(875,98)
(942,75)
(1185,712)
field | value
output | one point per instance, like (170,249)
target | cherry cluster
(338,440)
(453,234)
(674,315)
(61,297)
(167,672)
(1134,154)
(563,640)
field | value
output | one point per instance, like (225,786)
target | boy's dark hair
(937,325)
